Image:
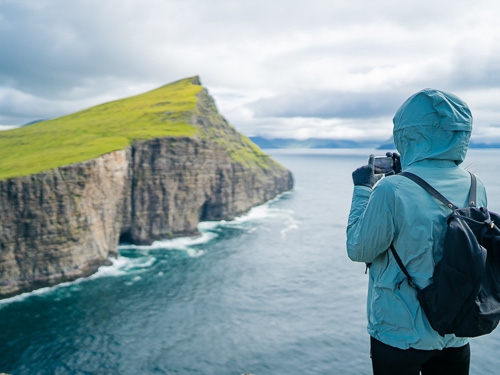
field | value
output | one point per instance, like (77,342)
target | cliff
(62,223)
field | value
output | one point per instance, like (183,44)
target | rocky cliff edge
(65,222)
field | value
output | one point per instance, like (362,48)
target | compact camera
(383,165)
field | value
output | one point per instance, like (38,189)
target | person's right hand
(365,176)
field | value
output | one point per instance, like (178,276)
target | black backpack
(464,296)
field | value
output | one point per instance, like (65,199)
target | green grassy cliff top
(98,130)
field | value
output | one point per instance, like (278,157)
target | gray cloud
(281,60)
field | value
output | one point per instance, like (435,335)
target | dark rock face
(61,224)
(64,223)
(176,183)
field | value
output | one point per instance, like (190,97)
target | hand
(365,176)
(396,158)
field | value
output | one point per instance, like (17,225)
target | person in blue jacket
(431,132)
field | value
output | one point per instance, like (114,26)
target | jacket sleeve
(370,228)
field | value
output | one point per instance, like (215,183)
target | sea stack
(137,170)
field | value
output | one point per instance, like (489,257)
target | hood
(432,124)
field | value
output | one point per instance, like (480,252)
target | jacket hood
(432,124)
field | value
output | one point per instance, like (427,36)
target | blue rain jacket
(431,132)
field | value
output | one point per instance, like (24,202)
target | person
(431,133)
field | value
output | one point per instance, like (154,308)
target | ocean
(269,293)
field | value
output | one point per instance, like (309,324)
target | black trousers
(387,360)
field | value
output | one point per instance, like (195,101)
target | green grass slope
(98,130)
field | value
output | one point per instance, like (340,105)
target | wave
(256,214)
(118,267)
(181,243)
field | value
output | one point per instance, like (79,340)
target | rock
(64,223)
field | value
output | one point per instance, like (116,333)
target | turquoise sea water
(271,292)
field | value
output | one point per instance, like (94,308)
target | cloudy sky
(277,68)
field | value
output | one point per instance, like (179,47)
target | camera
(383,165)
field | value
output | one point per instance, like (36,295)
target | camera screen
(383,164)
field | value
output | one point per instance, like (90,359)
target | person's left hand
(365,176)
(396,161)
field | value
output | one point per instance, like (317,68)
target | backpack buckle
(490,223)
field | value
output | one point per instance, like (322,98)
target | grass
(239,148)
(98,130)
(252,153)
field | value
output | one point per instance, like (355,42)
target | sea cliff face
(177,182)
(60,224)
(64,223)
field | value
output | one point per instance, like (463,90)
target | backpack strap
(403,268)
(472,191)
(436,194)
(424,185)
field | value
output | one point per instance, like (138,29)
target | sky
(277,68)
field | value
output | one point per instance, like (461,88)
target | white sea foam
(256,214)
(195,253)
(139,263)
(259,213)
(292,224)
(208,226)
(40,291)
(181,243)
(123,266)
(119,266)
(134,280)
